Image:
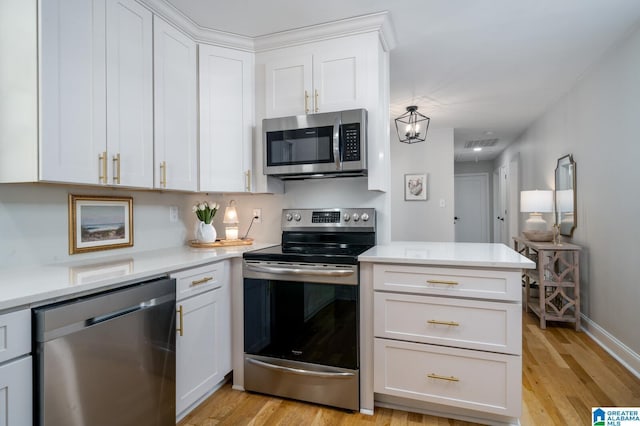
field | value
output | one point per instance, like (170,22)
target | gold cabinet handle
(443,282)
(180,329)
(116,168)
(247,177)
(201,281)
(306,102)
(438,322)
(316,101)
(103,165)
(439,377)
(163,174)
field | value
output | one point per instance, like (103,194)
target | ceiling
(487,68)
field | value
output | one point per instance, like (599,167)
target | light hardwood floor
(564,374)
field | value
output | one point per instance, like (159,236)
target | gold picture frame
(99,223)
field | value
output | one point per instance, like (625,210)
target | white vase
(206,232)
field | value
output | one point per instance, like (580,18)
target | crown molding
(379,22)
(200,34)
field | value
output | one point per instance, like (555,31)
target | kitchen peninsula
(441,329)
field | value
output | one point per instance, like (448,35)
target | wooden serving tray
(221,243)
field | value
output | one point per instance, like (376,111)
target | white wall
(34,222)
(423,220)
(597,122)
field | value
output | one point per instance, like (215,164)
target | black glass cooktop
(346,255)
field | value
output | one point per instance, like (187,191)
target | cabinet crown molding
(379,21)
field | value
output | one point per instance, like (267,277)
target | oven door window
(301,146)
(307,322)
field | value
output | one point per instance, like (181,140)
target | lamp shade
(230,213)
(536,201)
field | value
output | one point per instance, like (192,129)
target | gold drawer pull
(116,168)
(163,174)
(452,323)
(445,282)
(439,377)
(306,102)
(103,163)
(316,102)
(180,329)
(201,281)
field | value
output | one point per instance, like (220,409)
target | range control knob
(356,217)
(346,217)
(297,217)
(365,217)
(288,217)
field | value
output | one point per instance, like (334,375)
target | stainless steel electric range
(301,307)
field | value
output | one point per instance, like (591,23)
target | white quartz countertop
(33,285)
(447,254)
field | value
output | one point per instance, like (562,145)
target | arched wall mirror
(565,195)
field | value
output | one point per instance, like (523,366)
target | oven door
(309,314)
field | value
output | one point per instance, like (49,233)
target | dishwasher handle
(113,315)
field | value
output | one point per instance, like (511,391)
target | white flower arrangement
(205,211)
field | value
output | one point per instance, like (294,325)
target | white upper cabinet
(226,118)
(73,91)
(289,86)
(129,94)
(96,92)
(175,118)
(332,77)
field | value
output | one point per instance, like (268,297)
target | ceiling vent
(481,143)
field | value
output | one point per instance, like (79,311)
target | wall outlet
(257,212)
(173,214)
(442,203)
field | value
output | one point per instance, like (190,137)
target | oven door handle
(302,271)
(336,375)
(336,143)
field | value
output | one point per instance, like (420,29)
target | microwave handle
(336,143)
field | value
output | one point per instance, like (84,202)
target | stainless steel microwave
(328,144)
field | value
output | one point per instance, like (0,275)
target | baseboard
(621,352)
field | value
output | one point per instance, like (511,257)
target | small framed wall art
(99,223)
(415,187)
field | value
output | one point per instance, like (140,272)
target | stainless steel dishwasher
(108,359)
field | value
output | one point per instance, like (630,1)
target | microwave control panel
(351,142)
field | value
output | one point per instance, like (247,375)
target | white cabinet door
(129,94)
(72,92)
(226,119)
(289,88)
(16,396)
(339,78)
(175,119)
(203,351)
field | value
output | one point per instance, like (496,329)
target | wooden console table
(557,278)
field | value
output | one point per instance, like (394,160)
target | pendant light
(412,126)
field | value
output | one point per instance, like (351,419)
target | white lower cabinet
(16,391)
(203,341)
(448,337)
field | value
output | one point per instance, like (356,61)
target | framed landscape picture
(99,223)
(415,187)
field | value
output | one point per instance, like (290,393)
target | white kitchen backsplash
(34,222)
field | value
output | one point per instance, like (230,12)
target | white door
(175,109)
(289,86)
(72,92)
(129,94)
(472,208)
(513,205)
(226,118)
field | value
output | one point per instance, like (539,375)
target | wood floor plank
(564,374)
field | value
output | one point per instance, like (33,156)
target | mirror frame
(562,162)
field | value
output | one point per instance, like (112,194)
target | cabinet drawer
(15,334)
(198,280)
(472,324)
(16,392)
(475,380)
(455,282)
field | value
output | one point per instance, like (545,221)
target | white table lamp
(535,203)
